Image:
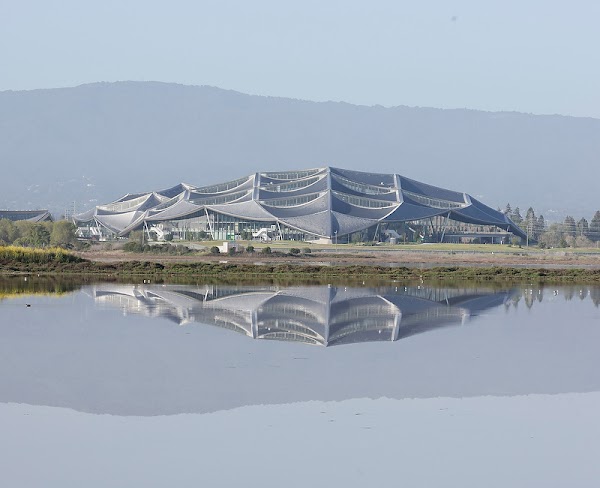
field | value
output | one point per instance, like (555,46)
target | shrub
(214,250)
(266,250)
(231,251)
(250,248)
(132,246)
(306,250)
(38,256)
(294,250)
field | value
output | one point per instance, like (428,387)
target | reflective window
(291,175)
(433,202)
(219,200)
(363,187)
(291,201)
(293,185)
(124,206)
(222,186)
(363,201)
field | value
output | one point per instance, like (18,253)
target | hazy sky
(540,56)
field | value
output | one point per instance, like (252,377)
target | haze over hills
(93,143)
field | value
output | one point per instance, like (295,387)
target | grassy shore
(50,262)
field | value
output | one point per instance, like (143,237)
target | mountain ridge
(95,142)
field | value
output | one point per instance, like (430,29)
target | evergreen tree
(595,227)
(516,216)
(570,227)
(530,223)
(583,228)
(541,225)
(508,210)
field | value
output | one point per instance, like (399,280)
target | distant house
(29,215)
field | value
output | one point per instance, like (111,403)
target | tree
(63,234)
(595,227)
(541,225)
(8,231)
(582,228)
(570,227)
(508,210)
(530,223)
(516,216)
(32,234)
(552,237)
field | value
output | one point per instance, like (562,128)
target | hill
(93,143)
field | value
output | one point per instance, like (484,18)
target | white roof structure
(324,202)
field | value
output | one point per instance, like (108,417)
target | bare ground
(547,259)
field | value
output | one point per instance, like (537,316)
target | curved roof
(322,201)
(29,215)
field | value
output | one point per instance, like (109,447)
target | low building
(320,205)
(28,215)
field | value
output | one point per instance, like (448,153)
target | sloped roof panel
(342,207)
(407,212)
(317,205)
(85,216)
(429,190)
(118,222)
(181,209)
(245,210)
(347,224)
(383,179)
(319,224)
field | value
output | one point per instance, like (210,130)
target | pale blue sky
(539,56)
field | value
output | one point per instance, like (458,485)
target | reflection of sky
(495,442)
(507,399)
(67,352)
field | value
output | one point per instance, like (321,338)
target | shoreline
(352,264)
(313,269)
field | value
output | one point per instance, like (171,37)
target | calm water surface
(175,385)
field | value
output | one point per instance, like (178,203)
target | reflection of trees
(532,294)
(569,292)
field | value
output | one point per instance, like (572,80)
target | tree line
(37,234)
(569,233)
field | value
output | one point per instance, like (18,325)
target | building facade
(322,204)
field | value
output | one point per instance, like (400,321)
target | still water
(207,385)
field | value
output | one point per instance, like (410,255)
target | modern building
(322,204)
(29,215)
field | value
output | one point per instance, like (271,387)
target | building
(29,215)
(322,204)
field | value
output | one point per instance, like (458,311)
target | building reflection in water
(318,315)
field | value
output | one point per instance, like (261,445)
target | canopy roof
(325,202)
(29,215)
